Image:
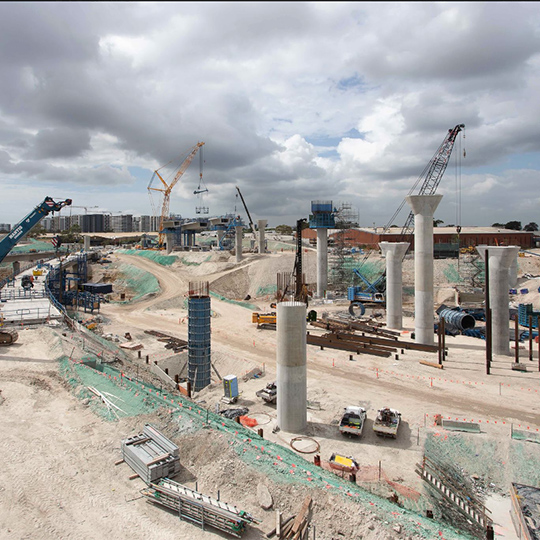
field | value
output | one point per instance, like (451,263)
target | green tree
(532,226)
(437,222)
(498,225)
(513,225)
(284,229)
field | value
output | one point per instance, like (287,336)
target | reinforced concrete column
(238,242)
(394,253)
(220,235)
(500,259)
(86,243)
(169,239)
(262,226)
(513,274)
(322,261)
(16,267)
(291,367)
(423,207)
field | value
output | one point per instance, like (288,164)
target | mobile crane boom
(251,224)
(25,225)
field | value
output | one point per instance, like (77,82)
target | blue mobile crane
(25,225)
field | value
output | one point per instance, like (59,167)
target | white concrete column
(513,274)
(262,226)
(169,239)
(220,235)
(499,260)
(423,207)
(291,367)
(238,242)
(394,253)
(322,261)
(86,243)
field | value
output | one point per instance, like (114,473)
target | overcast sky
(294,101)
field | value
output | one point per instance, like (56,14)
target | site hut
(321,219)
(423,207)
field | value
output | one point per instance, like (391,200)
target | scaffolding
(199,344)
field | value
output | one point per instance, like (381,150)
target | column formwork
(199,337)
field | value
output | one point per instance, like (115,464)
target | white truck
(387,422)
(353,420)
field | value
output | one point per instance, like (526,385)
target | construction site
(217,380)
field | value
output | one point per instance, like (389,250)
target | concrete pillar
(423,207)
(262,226)
(291,367)
(394,253)
(86,243)
(238,242)
(220,235)
(322,261)
(170,242)
(500,259)
(513,273)
(16,267)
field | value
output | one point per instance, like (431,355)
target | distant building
(149,224)
(5,227)
(445,237)
(123,223)
(90,223)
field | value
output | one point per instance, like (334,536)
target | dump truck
(387,422)
(268,393)
(353,420)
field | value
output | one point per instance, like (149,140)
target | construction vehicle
(268,393)
(430,179)
(8,336)
(353,420)
(264,320)
(387,422)
(28,222)
(167,189)
(251,224)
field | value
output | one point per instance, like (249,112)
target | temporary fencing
(280,463)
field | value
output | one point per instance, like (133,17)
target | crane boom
(251,224)
(431,178)
(167,189)
(25,225)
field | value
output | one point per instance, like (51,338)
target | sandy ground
(59,480)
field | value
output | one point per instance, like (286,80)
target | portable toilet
(230,387)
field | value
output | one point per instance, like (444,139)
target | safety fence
(279,463)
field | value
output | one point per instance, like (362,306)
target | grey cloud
(59,143)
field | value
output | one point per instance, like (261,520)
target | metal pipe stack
(151,455)
(202,510)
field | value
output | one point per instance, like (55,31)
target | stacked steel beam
(151,455)
(197,508)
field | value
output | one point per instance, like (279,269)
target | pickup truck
(387,422)
(353,420)
(268,393)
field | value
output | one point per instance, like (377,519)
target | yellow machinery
(264,319)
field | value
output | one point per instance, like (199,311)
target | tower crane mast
(167,188)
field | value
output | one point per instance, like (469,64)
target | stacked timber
(295,527)
(151,455)
(199,509)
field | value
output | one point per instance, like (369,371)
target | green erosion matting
(279,463)
(156,256)
(523,435)
(190,263)
(451,274)
(138,281)
(246,305)
(269,290)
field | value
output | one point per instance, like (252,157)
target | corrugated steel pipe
(457,319)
